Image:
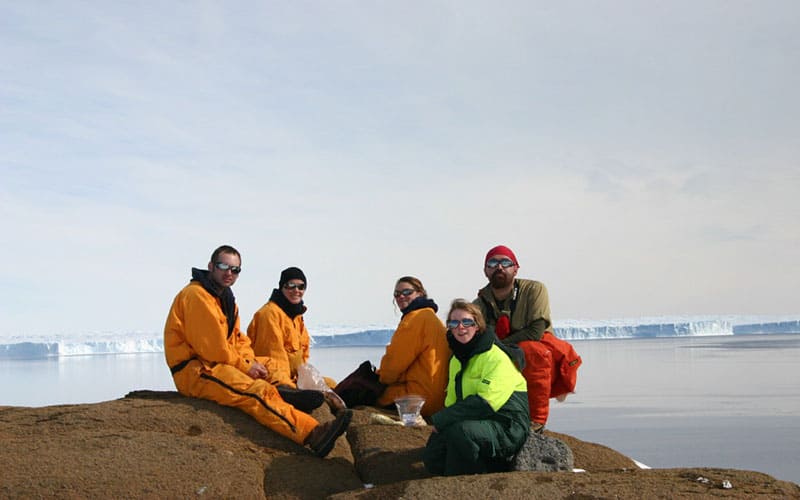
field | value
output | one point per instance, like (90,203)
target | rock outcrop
(162,445)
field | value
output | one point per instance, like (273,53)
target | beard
(499,279)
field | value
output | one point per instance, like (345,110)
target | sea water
(726,401)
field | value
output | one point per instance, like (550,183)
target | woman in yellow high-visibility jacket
(485,421)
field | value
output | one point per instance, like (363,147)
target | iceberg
(612,329)
(766,328)
(80,345)
(357,339)
(19,348)
(623,329)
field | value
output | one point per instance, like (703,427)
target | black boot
(302,399)
(323,437)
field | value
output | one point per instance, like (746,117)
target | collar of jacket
(291,310)
(420,303)
(224,294)
(487,296)
(481,342)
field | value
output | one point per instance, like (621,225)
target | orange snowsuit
(416,361)
(207,363)
(273,334)
(283,342)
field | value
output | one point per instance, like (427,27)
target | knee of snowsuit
(226,385)
(538,373)
(468,447)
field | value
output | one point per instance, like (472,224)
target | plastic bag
(308,377)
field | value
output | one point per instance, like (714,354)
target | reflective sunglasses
(224,267)
(506,263)
(292,286)
(405,292)
(466,322)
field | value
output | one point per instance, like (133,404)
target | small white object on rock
(703,480)
(726,485)
(377,418)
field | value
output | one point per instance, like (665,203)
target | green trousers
(471,447)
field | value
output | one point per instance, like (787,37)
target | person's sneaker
(323,437)
(537,428)
(334,402)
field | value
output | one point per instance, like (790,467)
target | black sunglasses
(405,292)
(292,286)
(506,263)
(224,267)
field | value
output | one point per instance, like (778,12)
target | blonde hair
(469,308)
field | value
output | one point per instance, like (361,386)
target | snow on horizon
(324,329)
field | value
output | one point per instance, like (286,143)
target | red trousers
(538,373)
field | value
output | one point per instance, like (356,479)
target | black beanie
(291,273)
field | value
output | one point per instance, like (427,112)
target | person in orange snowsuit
(417,357)
(518,312)
(278,333)
(210,358)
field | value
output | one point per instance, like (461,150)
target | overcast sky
(641,158)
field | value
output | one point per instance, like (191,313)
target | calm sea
(729,401)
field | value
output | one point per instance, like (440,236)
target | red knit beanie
(501,250)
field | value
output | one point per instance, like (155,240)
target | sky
(640,158)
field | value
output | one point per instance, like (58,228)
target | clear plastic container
(408,407)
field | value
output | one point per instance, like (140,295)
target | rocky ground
(162,445)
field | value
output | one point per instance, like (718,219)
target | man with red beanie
(518,310)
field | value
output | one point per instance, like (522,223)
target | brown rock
(162,445)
